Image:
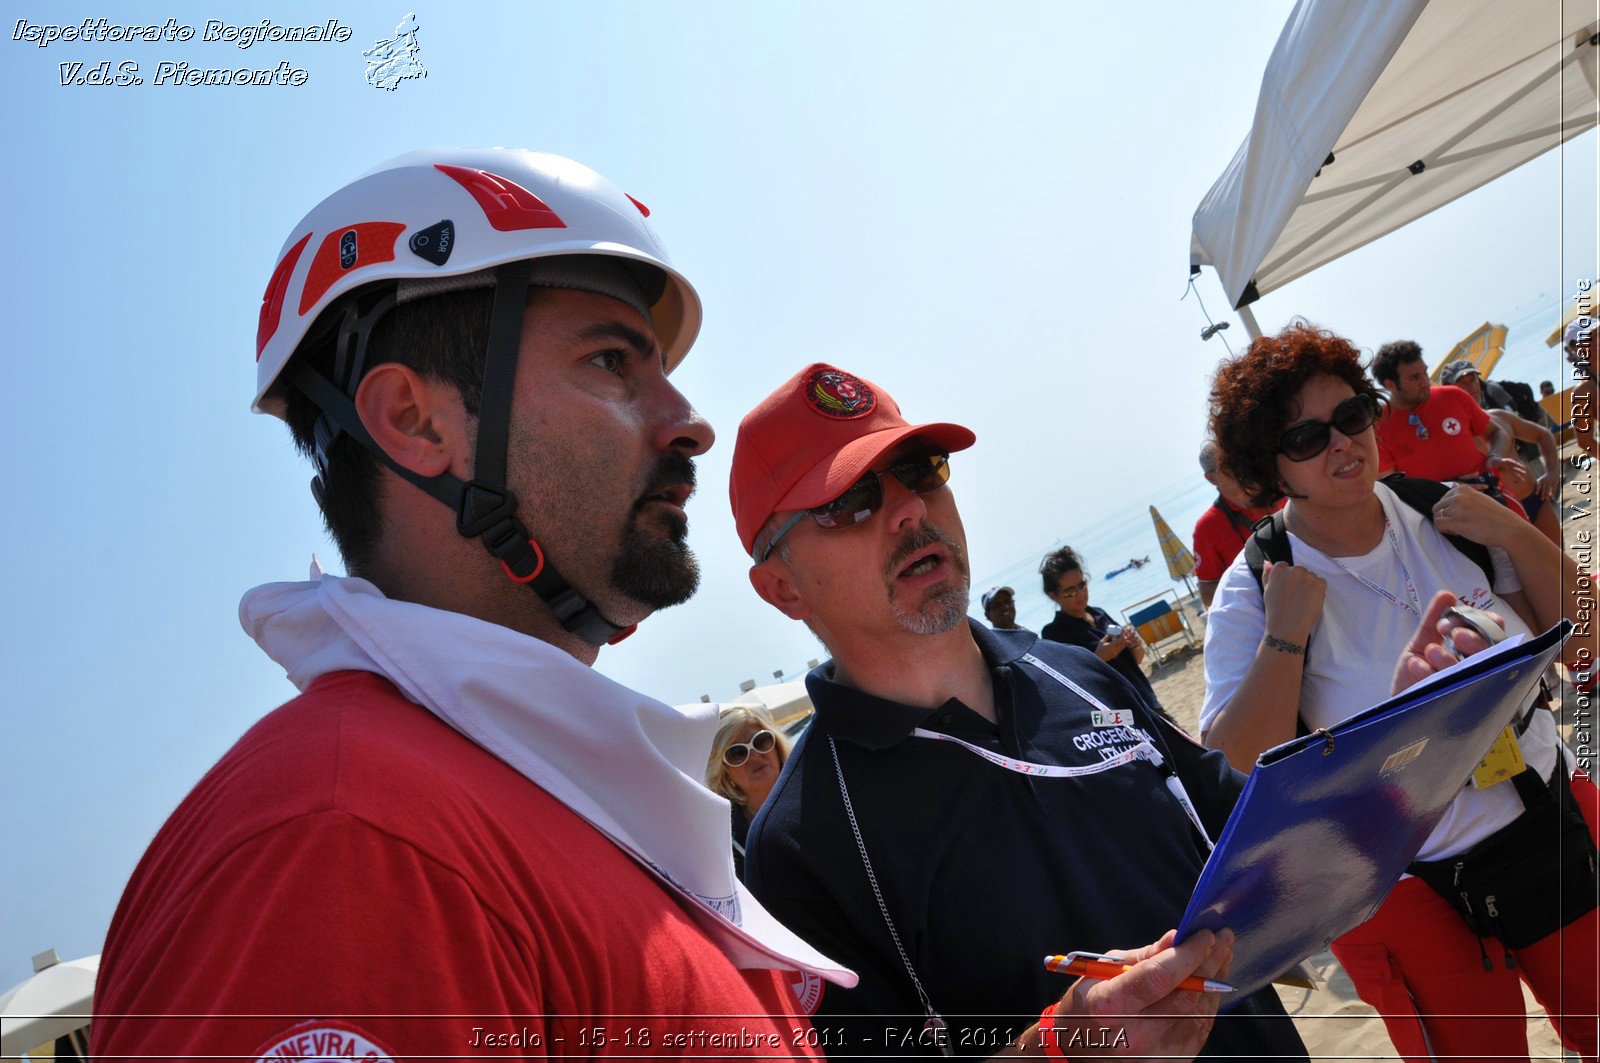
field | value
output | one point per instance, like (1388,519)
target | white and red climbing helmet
(445,212)
(438,220)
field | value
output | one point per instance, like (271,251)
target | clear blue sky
(985,209)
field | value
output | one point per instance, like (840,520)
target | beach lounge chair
(1159,622)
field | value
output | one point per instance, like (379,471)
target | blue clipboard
(1328,822)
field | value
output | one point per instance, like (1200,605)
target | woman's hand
(1427,651)
(1474,515)
(1292,597)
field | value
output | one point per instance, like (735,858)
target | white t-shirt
(1354,646)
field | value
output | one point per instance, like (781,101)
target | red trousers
(1418,963)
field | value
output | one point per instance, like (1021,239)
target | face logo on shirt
(319,1040)
(1451,426)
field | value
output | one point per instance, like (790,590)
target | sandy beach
(1334,1022)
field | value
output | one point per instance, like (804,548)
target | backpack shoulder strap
(1269,541)
(1422,495)
(1236,520)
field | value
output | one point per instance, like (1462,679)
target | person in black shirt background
(1078,623)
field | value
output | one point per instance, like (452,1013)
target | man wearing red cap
(921,831)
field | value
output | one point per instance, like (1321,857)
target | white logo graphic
(320,1040)
(1451,426)
(807,990)
(393,61)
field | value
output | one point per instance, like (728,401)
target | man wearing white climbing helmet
(450,228)
(457,817)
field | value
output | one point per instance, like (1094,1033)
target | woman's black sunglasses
(762,741)
(921,473)
(1309,438)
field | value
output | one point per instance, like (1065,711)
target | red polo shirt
(1453,423)
(1218,540)
(354,879)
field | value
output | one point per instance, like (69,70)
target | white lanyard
(1415,605)
(1143,751)
(935,1024)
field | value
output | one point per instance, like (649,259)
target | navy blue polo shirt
(985,871)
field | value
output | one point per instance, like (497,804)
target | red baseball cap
(807,442)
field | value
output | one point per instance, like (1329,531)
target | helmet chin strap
(485,507)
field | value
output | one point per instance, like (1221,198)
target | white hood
(627,764)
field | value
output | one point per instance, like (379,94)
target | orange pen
(1096,965)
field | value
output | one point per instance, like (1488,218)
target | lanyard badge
(1143,751)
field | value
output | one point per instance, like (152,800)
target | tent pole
(1249,318)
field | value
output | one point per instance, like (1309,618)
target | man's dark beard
(649,569)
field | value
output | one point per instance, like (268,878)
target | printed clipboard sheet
(1327,823)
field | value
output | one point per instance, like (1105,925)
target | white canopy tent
(781,700)
(56,1002)
(1373,113)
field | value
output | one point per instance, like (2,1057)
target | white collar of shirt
(629,765)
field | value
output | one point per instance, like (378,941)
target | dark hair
(1391,356)
(1056,564)
(442,337)
(1253,396)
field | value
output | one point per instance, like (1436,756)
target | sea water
(1106,545)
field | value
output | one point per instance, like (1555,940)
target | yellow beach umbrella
(1583,304)
(1180,562)
(1483,347)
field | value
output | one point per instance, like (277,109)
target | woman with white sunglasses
(746,757)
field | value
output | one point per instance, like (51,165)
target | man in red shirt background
(1427,431)
(1222,530)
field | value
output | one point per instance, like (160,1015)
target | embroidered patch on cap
(323,1039)
(835,393)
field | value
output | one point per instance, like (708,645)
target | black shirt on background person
(1078,623)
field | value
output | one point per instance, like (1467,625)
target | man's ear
(775,583)
(419,423)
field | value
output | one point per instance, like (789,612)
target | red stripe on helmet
(642,208)
(348,248)
(506,204)
(272,298)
